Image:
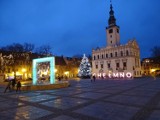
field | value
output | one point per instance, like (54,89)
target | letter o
(128,75)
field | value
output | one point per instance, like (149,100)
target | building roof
(59,60)
(152,59)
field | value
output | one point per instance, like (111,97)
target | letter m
(115,75)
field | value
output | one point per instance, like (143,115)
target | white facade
(116,58)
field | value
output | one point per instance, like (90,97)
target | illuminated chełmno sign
(114,75)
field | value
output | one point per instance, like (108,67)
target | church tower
(113,37)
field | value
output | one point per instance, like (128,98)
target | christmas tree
(84,68)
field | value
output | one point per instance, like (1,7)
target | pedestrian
(8,86)
(154,75)
(59,78)
(13,83)
(94,78)
(18,86)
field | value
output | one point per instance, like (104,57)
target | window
(106,55)
(102,56)
(101,65)
(121,53)
(98,56)
(94,57)
(117,65)
(111,55)
(110,36)
(111,31)
(115,54)
(96,66)
(109,66)
(127,53)
(135,62)
(111,42)
(137,72)
(124,66)
(134,72)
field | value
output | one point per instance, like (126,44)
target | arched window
(127,53)
(111,55)
(106,55)
(121,53)
(94,57)
(115,54)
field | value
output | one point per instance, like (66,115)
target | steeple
(112,19)
(113,36)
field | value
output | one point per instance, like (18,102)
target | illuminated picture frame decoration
(52,67)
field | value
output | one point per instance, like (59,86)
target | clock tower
(113,37)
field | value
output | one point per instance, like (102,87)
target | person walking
(8,86)
(59,78)
(13,83)
(94,78)
(18,86)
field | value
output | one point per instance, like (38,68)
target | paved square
(155,115)
(91,95)
(129,100)
(141,92)
(8,104)
(137,99)
(28,113)
(108,111)
(38,98)
(64,117)
(64,102)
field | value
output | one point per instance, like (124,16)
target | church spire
(112,19)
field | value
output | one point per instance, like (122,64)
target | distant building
(115,57)
(19,64)
(151,66)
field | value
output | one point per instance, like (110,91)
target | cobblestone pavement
(137,99)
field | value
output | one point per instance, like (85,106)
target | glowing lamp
(55,70)
(23,70)
(66,73)
(153,70)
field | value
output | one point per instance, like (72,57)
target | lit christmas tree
(84,68)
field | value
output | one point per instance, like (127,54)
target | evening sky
(77,26)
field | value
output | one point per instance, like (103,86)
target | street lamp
(66,73)
(55,70)
(23,70)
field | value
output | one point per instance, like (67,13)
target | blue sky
(76,26)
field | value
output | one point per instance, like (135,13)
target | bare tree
(15,47)
(44,50)
(28,47)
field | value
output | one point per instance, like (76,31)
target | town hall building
(116,60)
